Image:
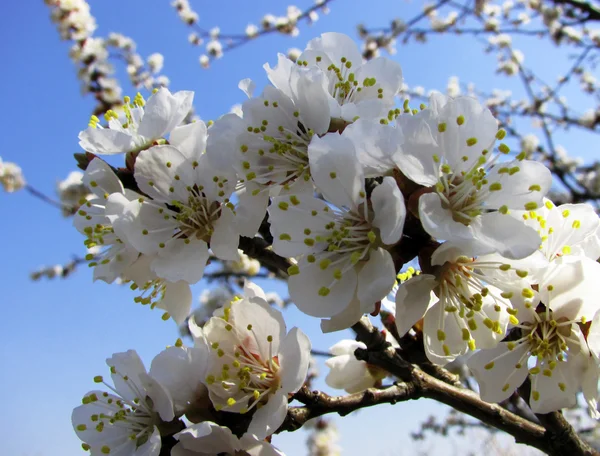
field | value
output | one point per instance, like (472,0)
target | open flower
(449,147)
(254,364)
(353,89)
(125,420)
(268,145)
(139,126)
(343,269)
(463,307)
(187,209)
(548,343)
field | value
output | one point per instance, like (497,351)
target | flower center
(247,376)
(196,217)
(463,290)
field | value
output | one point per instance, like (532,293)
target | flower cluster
(346,185)
(242,361)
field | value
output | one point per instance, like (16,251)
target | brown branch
(318,403)
(592,12)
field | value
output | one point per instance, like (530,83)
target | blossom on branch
(254,364)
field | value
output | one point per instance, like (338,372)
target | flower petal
(376,278)
(181,259)
(304,290)
(499,371)
(294,358)
(269,417)
(390,211)
(413,299)
(190,139)
(104,141)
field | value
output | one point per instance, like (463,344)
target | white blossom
(254,364)
(186,209)
(463,308)
(11,177)
(449,147)
(352,88)
(548,332)
(155,62)
(71,191)
(141,124)
(125,420)
(344,268)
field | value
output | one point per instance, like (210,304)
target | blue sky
(56,334)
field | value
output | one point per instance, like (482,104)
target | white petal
(225,238)
(415,158)
(438,222)
(413,299)
(163,112)
(575,287)
(161,399)
(255,447)
(441,351)
(528,185)
(390,211)
(265,321)
(250,210)
(346,318)
(345,347)
(104,141)
(478,122)
(179,260)
(377,146)
(347,373)
(335,170)
(387,73)
(190,139)
(501,371)
(126,364)
(101,179)
(269,417)
(144,226)
(557,391)
(296,219)
(304,290)
(337,46)
(294,358)
(309,86)
(252,290)
(180,370)
(208,438)
(177,300)
(247,86)
(280,75)
(155,171)
(376,278)
(505,235)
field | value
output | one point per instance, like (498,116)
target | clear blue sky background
(55,335)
